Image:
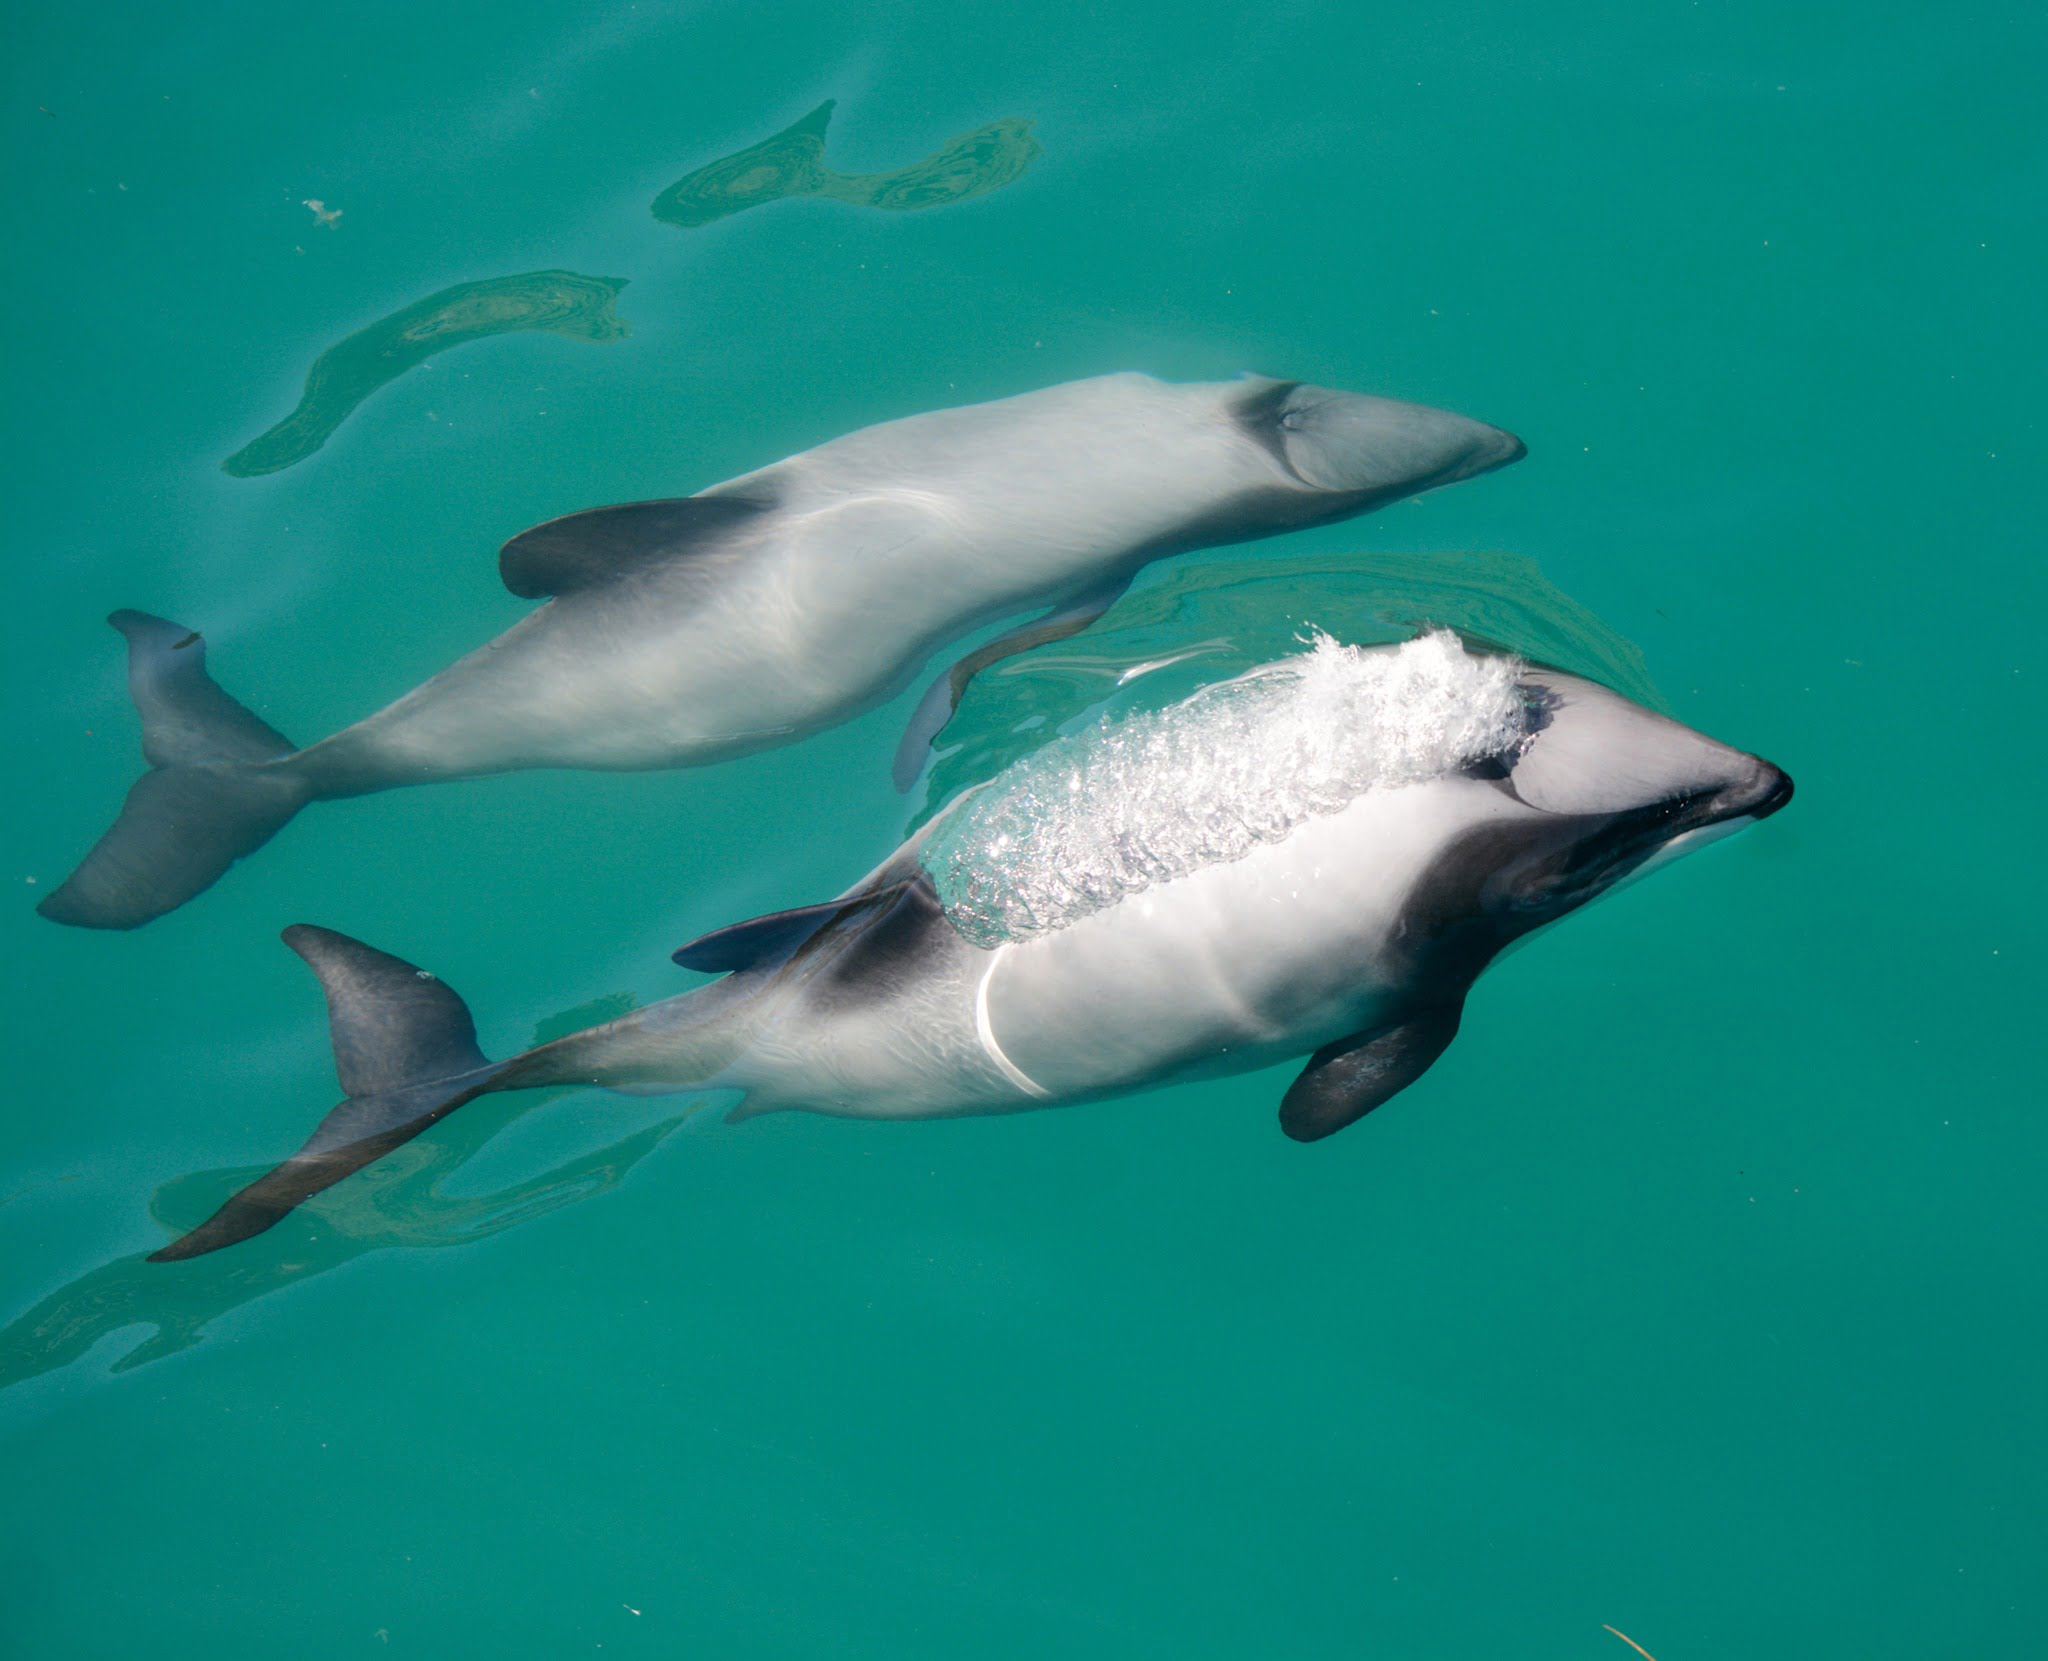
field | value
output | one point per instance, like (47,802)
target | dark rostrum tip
(1487,450)
(1758,796)
(1776,787)
(1499,449)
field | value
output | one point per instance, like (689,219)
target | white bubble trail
(1092,817)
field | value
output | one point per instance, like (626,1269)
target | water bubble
(1092,818)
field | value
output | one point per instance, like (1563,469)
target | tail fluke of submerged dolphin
(406,1053)
(213,793)
(405,1050)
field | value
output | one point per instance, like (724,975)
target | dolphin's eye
(1303,402)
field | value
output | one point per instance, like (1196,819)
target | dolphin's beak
(1777,796)
(1493,447)
(1470,448)
(1718,816)
(1649,838)
(1757,797)
(1377,450)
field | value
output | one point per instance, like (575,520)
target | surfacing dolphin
(776,604)
(1315,858)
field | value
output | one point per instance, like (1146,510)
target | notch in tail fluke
(212,793)
(406,1053)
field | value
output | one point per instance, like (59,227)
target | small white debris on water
(1091,818)
(322,212)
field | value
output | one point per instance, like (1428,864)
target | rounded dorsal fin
(763,940)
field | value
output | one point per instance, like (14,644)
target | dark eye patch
(1539,705)
(1264,416)
(1264,404)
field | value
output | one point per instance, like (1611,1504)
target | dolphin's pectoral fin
(581,549)
(762,940)
(1345,1081)
(943,696)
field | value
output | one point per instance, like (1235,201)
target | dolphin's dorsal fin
(1345,1081)
(762,940)
(582,549)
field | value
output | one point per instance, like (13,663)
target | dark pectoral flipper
(405,1051)
(1345,1081)
(581,549)
(943,696)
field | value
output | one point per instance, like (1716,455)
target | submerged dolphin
(776,604)
(1316,858)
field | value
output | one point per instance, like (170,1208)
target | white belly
(1235,966)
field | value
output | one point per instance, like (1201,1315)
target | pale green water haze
(1697,1290)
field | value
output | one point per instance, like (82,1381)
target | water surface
(1698,1291)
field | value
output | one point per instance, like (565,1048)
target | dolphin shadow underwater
(684,632)
(407,1208)
(1318,857)
(348,372)
(792,163)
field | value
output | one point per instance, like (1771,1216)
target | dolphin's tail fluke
(213,792)
(405,1050)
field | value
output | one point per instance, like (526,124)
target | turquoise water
(1696,1292)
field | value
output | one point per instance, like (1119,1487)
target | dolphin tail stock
(406,1054)
(213,792)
